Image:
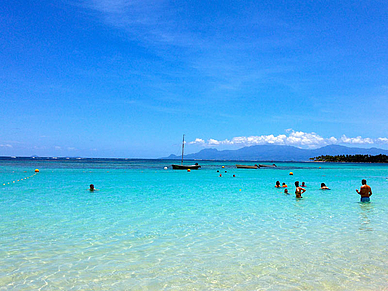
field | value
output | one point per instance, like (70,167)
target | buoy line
(22,179)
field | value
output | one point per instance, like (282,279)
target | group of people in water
(365,191)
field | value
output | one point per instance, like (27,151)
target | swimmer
(324,187)
(284,185)
(91,189)
(277,184)
(299,190)
(286,192)
(365,191)
(303,184)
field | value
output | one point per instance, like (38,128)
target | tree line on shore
(352,158)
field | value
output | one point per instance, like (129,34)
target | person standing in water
(299,190)
(365,191)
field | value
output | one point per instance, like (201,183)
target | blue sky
(105,78)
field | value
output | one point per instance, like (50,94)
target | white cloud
(294,138)
(382,140)
(198,141)
(6,145)
(356,140)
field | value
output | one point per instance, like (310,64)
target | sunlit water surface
(148,228)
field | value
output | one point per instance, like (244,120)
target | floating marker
(223,166)
(188,170)
(291,173)
(165,168)
(36,170)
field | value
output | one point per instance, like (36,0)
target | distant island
(352,159)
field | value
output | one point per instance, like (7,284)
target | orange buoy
(36,170)
(291,173)
(188,170)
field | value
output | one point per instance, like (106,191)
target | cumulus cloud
(293,138)
(356,140)
(382,140)
(6,145)
(197,141)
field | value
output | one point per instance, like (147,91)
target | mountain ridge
(277,153)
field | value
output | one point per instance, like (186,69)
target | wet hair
(297,183)
(277,183)
(363,182)
(323,184)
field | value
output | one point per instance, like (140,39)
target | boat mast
(183,148)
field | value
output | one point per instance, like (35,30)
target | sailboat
(185,167)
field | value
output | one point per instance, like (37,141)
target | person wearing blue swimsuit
(365,191)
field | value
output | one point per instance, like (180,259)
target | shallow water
(152,229)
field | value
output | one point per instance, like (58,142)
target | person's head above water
(91,187)
(323,185)
(297,184)
(277,184)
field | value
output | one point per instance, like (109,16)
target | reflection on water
(366,211)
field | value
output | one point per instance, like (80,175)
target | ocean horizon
(217,228)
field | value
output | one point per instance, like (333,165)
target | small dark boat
(267,166)
(185,167)
(247,167)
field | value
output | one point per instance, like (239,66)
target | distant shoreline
(83,159)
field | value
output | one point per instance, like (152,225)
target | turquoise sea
(148,228)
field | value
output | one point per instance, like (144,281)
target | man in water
(365,191)
(299,190)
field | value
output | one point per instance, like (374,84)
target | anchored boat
(185,167)
(247,167)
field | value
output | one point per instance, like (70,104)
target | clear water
(153,229)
